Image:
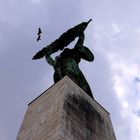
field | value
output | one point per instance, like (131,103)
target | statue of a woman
(67,64)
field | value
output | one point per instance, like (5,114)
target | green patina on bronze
(67,62)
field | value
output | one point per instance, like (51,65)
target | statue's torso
(68,62)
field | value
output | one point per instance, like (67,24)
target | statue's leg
(56,77)
(80,81)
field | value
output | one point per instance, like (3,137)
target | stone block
(65,112)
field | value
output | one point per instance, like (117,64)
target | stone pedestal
(65,112)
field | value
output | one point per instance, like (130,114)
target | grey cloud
(22,79)
(137,79)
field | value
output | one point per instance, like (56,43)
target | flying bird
(39,34)
(39,37)
(63,41)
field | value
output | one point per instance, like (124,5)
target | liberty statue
(66,63)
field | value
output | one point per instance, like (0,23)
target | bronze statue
(39,34)
(67,62)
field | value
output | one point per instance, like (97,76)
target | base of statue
(66,112)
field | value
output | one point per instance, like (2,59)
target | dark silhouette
(39,31)
(63,41)
(67,62)
(39,34)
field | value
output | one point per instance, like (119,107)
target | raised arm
(83,51)
(80,41)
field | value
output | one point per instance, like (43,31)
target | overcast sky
(113,37)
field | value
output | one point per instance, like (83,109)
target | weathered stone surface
(66,112)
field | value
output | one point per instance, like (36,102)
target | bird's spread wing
(39,31)
(63,41)
(39,38)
